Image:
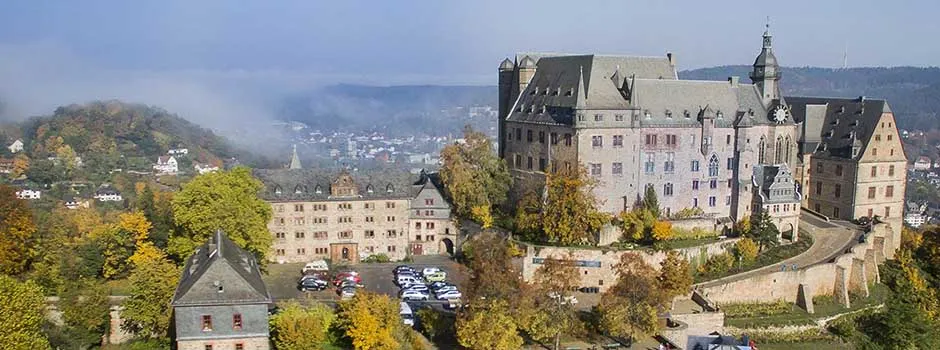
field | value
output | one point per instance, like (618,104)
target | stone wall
(259,343)
(596,264)
(852,271)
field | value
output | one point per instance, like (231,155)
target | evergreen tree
(764,232)
(650,201)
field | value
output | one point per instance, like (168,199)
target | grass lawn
(824,306)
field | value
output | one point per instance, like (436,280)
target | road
(830,239)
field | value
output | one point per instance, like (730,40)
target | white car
(429,270)
(448,295)
(413,295)
(418,287)
(402,281)
(318,265)
(445,289)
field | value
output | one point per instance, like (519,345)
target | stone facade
(346,217)
(776,195)
(632,124)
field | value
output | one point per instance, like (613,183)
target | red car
(352,276)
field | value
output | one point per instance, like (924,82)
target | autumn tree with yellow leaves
(17,233)
(568,212)
(473,176)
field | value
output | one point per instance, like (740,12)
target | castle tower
(506,98)
(766,72)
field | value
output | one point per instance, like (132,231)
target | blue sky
(76,49)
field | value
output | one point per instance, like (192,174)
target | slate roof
(775,177)
(660,98)
(302,184)
(833,126)
(220,264)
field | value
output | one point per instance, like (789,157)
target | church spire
(766,71)
(294,160)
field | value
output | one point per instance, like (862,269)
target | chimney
(733,80)
(671,58)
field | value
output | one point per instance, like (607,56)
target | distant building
(221,301)
(29,194)
(178,151)
(6,166)
(72,202)
(922,164)
(204,168)
(16,146)
(166,165)
(106,193)
(916,215)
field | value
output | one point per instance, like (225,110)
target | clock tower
(766,72)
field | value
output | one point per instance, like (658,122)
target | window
(670,140)
(889,191)
(519,134)
(890,137)
(838,170)
(713,166)
(871,212)
(298,207)
(281,235)
(390,249)
(667,189)
(528,163)
(430,225)
(595,169)
(299,221)
(368,205)
(695,166)
(418,225)
(239,346)
(320,235)
(618,117)
(650,165)
(887,212)
(298,235)
(695,184)
(892,151)
(320,251)
(553,138)
(369,234)
(370,219)
(818,188)
(729,183)
(391,233)
(874,171)
(543,164)
(429,201)
(871,193)
(344,219)
(541,137)
(237,321)
(835,212)
(280,252)
(712,201)
(728,200)
(518,161)
(618,140)
(728,139)
(301,251)
(390,218)
(617,169)
(874,151)
(891,170)
(820,168)
(877,137)
(417,237)
(280,208)
(695,202)
(598,117)
(730,163)
(206,323)
(343,206)
(567,139)
(390,205)
(528,135)
(838,190)
(650,140)
(207,347)
(597,141)
(713,184)
(670,165)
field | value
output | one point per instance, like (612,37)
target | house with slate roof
(633,124)
(221,301)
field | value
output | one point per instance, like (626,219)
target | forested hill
(113,134)
(913,93)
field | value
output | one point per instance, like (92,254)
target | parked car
(307,284)
(407,317)
(451,294)
(439,276)
(316,265)
(403,268)
(346,293)
(349,283)
(418,287)
(413,295)
(429,270)
(317,275)
(445,289)
(436,285)
(347,276)
(405,279)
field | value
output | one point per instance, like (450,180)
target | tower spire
(766,72)
(294,159)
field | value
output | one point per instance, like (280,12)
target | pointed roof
(220,273)
(294,160)
(507,65)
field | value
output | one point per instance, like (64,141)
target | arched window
(713,166)
(777,149)
(787,149)
(760,151)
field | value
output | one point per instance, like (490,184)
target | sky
(201,55)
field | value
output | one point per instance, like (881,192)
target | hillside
(914,93)
(114,135)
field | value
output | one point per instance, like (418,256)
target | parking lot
(281,279)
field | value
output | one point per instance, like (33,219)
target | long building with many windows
(347,216)
(632,124)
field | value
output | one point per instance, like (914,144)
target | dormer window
(389,188)
(686,114)
(370,189)
(841,109)
(646,113)
(318,189)
(719,114)
(750,112)
(668,114)
(534,91)
(556,92)
(570,92)
(299,189)
(277,189)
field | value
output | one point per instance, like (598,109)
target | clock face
(780,115)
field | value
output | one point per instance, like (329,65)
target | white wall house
(205,168)
(108,195)
(922,164)
(178,151)
(166,165)
(16,146)
(28,194)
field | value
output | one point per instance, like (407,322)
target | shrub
(756,309)
(717,264)
(746,250)
(377,258)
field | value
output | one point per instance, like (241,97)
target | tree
(371,322)
(296,327)
(136,224)
(637,225)
(547,311)
(629,308)
(743,226)
(20,165)
(662,231)
(568,214)
(226,200)
(86,311)
(764,232)
(473,175)
(488,325)
(22,305)
(745,250)
(17,233)
(675,275)
(153,280)
(116,246)
(482,214)
(651,202)
(492,274)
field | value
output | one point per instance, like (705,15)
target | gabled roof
(834,126)
(220,273)
(302,184)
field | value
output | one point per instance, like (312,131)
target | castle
(727,147)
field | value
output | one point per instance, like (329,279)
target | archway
(789,234)
(448,246)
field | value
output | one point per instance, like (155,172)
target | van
(317,265)
(403,280)
(407,317)
(438,276)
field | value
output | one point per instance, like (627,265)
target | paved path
(830,239)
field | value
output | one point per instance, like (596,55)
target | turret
(506,99)
(526,72)
(766,72)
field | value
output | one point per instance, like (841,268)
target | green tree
(675,275)
(147,310)
(226,200)
(569,214)
(650,201)
(85,310)
(297,327)
(473,175)
(636,225)
(764,232)
(629,308)
(22,305)
(745,250)
(17,233)
(488,325)
(371,322)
